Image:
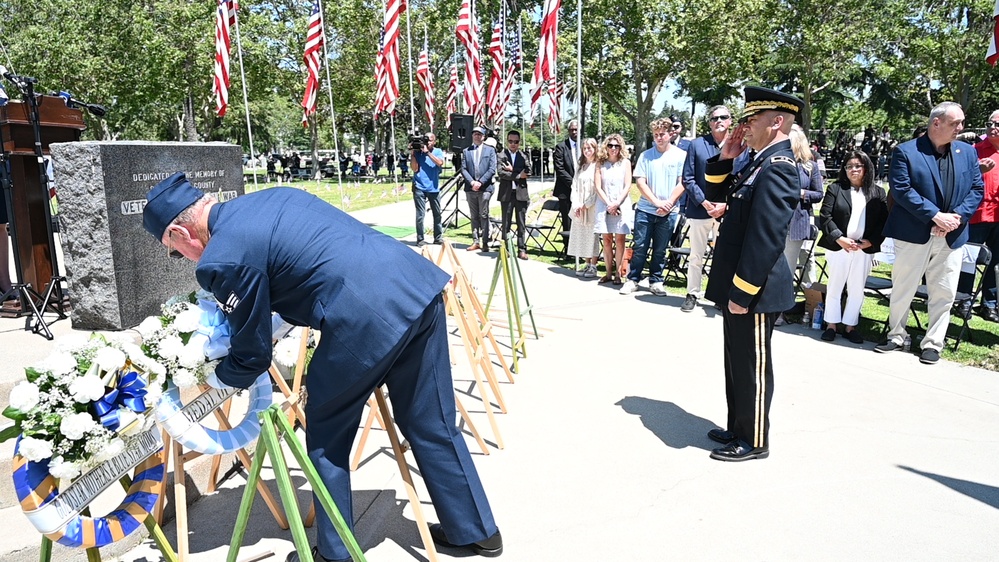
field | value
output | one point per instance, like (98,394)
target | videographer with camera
(426,161)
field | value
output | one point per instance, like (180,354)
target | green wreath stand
(274,425)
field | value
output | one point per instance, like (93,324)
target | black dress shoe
(963,309)
(828,335)
(989,313)
(854,337)
(738,451)
(722,436)
(293,557)
(490,548)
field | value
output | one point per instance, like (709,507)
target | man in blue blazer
(936,186)
(287,251)
(478,167)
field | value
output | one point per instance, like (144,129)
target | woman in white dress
(582,242)
(615,217)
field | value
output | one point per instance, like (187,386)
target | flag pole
(579,66)
(505,56)
(246,103)
(329,90)
(409,48)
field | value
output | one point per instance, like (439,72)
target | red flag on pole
(544,69)
(225,18)
(494,94)
(993,54)
(452,94)
(555,93)
(468,33)
(426,81)
(387,67)
(314,38)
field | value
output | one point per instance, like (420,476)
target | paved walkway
(873,457)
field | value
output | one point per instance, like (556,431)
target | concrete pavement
(873,457)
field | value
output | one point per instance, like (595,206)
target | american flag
(313,61)
(494,94)
(452,94)
(3,96)
(555,93)
(516,58)
(544,69)
(426,81)
(225,18)
(468,33)
(387,67)
(993,54)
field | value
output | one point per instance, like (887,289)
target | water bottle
(907,344)
(806,319)
(817,317)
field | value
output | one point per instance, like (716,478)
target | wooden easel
(180,458)
(513,285)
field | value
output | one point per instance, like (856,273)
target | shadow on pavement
(673,425)
(989,495)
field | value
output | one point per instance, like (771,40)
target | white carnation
(75,426)
(188,321)
(184,378)
(110,359)
(148,327)
(171,347)
(153,394)
(87,388)
(24,396)
(35,450)
(114,448)
(193,354)
(286,351)
(61,468)
(59,363)
(74,341)
(156,368)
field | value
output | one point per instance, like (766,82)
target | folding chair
(676,253)
(981,266)
(541,232)
(800,269)
(880,287)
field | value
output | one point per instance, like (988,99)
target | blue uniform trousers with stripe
(749,374)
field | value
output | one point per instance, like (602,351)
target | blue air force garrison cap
(165,201)
(761,99)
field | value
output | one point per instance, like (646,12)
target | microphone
(19,81)
(96,110)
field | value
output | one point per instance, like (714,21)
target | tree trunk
(314,135)
(190,128)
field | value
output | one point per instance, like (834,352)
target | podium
(30,218)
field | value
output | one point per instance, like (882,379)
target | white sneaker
(658,289)
(628,287)
(644,283)
(591,271)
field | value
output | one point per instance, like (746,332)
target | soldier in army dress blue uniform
(750,279)
(379,308)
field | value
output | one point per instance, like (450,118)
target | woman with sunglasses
(615,217)
(853,214)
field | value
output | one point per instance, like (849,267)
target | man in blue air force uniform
(750,279)
(379,308)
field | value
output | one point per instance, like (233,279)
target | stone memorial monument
(118,274)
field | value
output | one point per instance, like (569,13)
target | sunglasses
(990,124)
(171,253)
(613,146)
(677,126)
(720,118)
(512,141)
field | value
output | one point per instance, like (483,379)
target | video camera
(417,141)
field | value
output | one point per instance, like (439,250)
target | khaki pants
(942,267)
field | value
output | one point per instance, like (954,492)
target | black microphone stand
(30,298)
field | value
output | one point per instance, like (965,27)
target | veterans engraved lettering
(206,403)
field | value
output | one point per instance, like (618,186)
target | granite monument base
(118,274)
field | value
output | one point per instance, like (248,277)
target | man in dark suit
(936,186)
(750,279)
(566,156)
(478,168)
(512,170)
(287,251)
